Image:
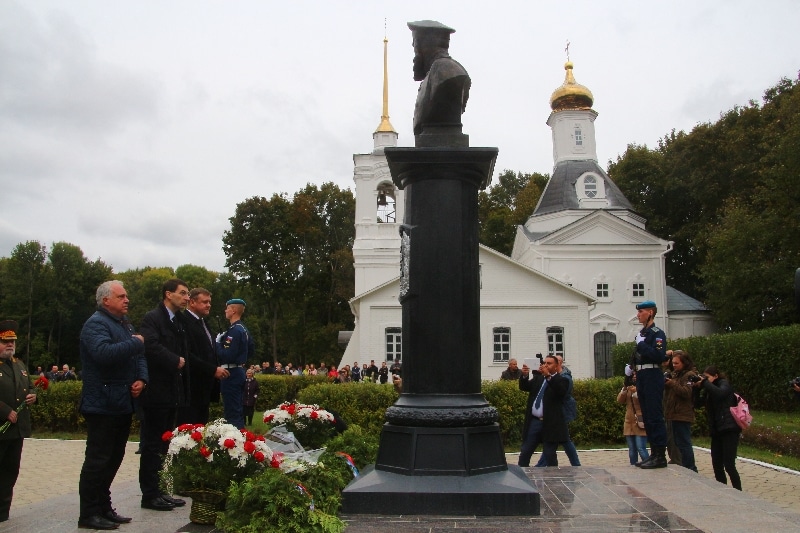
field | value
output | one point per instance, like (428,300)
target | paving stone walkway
(605,494)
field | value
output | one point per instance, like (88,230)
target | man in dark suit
(204,372)
(166,350)
(544,414)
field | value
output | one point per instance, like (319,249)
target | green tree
(294,257)
(506,205)
(23,290)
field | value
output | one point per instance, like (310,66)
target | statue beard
(419,68)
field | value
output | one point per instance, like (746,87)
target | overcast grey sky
(132,129)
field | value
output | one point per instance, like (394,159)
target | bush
(510,402)
(735,354)
(273,502)
(362,404)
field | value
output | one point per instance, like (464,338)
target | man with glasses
(166,351)
(14,384)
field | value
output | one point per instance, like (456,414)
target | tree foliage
(727,194)
(295,258)
(507,204)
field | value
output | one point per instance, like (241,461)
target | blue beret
(647,304)
(236,301)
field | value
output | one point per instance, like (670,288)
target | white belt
(232,365)
(642,367)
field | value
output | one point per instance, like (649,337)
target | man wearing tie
(204,372)
(166,349)
(544,414)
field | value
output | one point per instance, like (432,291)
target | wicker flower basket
(205,505)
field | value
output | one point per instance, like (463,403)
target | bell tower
(379,205)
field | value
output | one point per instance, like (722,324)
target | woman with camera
(679,404)
(717,396)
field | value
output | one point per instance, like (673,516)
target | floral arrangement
(311,426)
(40,383)
(209,457)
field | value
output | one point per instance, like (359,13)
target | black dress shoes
(157,504)
(177,502)
(112,516)
(96,522)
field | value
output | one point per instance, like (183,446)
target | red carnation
(229,443)
(259,457)
(41,382)
(185,427)
(314,415)
(197,436)
(249,447)
(205,452)
(167,436)
(268,418)
(275,463)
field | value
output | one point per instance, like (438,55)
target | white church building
(579,264)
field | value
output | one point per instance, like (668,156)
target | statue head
(428,38)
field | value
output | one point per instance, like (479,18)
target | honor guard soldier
(649,355)
(234,348)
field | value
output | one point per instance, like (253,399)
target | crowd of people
(367,373)
(661,391)
(170,371)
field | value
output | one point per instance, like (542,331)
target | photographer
(717,396)
(679,404)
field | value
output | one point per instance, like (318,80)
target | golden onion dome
(571,94)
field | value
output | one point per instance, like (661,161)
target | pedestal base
(431,451)
(506,493)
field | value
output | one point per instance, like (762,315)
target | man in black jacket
(544,414)
(166,350)
(204,372)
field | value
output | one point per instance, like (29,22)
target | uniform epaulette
(655,329)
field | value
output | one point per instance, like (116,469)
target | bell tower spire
(385,135)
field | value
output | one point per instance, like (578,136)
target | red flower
(261,438)
(291,409)
(249,447)
(268,418)
(314,415)
(198,426)
(205,452)
(197,436)
(259,457)
(185,427)
(229,443)
(275,463)
(248,436)
(41,382)
(167,436)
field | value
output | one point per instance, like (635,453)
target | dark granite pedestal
(441,450)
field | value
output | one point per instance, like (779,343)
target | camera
(795,381)
(695,379)
(540,357)
(667,375)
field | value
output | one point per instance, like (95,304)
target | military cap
(8,330)
(429,25)
(647,304)
(236,301)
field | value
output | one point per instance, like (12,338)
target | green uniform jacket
(15,385)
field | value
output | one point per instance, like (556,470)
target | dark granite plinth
(507,493)
(431,451)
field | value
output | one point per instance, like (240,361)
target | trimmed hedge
(759,363)
(600,417)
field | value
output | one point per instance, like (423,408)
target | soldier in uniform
(14,389)
(234,348)
(650,353)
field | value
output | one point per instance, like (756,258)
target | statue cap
(429,25)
